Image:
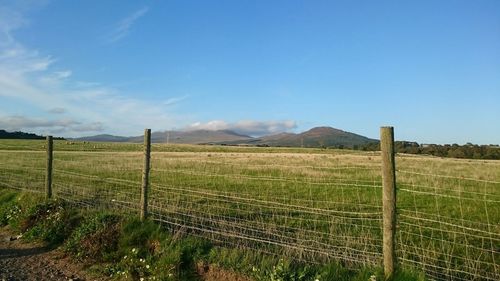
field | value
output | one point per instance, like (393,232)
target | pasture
(314,205)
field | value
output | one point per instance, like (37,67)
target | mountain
(105,138)
(328,136)
(315,137)
(186,137)
(194,137)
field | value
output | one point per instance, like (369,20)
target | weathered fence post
(388,199)
(48,175)
(145,174)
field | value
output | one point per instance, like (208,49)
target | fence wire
(290,207)
(449,226)
(313,208)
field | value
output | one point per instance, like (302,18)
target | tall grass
(307,204)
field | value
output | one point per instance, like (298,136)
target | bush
(96,239)
(50,221)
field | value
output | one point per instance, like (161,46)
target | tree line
(22,135)
(467,151)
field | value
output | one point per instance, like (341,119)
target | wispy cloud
(61,104)
(246,127)
(31,79)
(62,74)
(175,100)
(9,21)
(57,110)
(123,27)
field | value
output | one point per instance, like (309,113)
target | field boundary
(446,246)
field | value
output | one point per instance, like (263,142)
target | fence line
(447,226)
(447,176)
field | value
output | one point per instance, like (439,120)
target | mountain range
(315,137)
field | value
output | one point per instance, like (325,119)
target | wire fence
(449,226)
(313,208)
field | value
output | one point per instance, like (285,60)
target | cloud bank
(246,127)
(54,126)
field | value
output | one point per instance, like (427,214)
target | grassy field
(307,204)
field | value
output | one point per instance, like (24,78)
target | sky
(429,68)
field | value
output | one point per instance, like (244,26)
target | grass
(124,248)
(311,205)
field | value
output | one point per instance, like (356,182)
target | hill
(315,137)
(184,137)
(193,137)
(105,138)
(21,135)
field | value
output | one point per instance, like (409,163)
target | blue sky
(429,68)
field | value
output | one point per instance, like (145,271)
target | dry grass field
(308,204)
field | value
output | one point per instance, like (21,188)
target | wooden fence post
(48,175)
(145,174)
(388,199)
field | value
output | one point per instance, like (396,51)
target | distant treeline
(22,135)
(467,151)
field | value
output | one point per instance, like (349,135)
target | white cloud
(175,100)
(27,78)
(55,77)
(123,27)
(246,127)
(63,125)
(62,74)
(9,20)
(34,80)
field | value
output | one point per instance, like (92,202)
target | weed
(50,221)
(132,266)
(96,239)
(9,209)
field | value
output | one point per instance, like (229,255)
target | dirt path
(21,261)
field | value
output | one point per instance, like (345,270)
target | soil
(21,261)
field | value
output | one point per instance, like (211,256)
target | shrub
(96,239)
(50,221)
